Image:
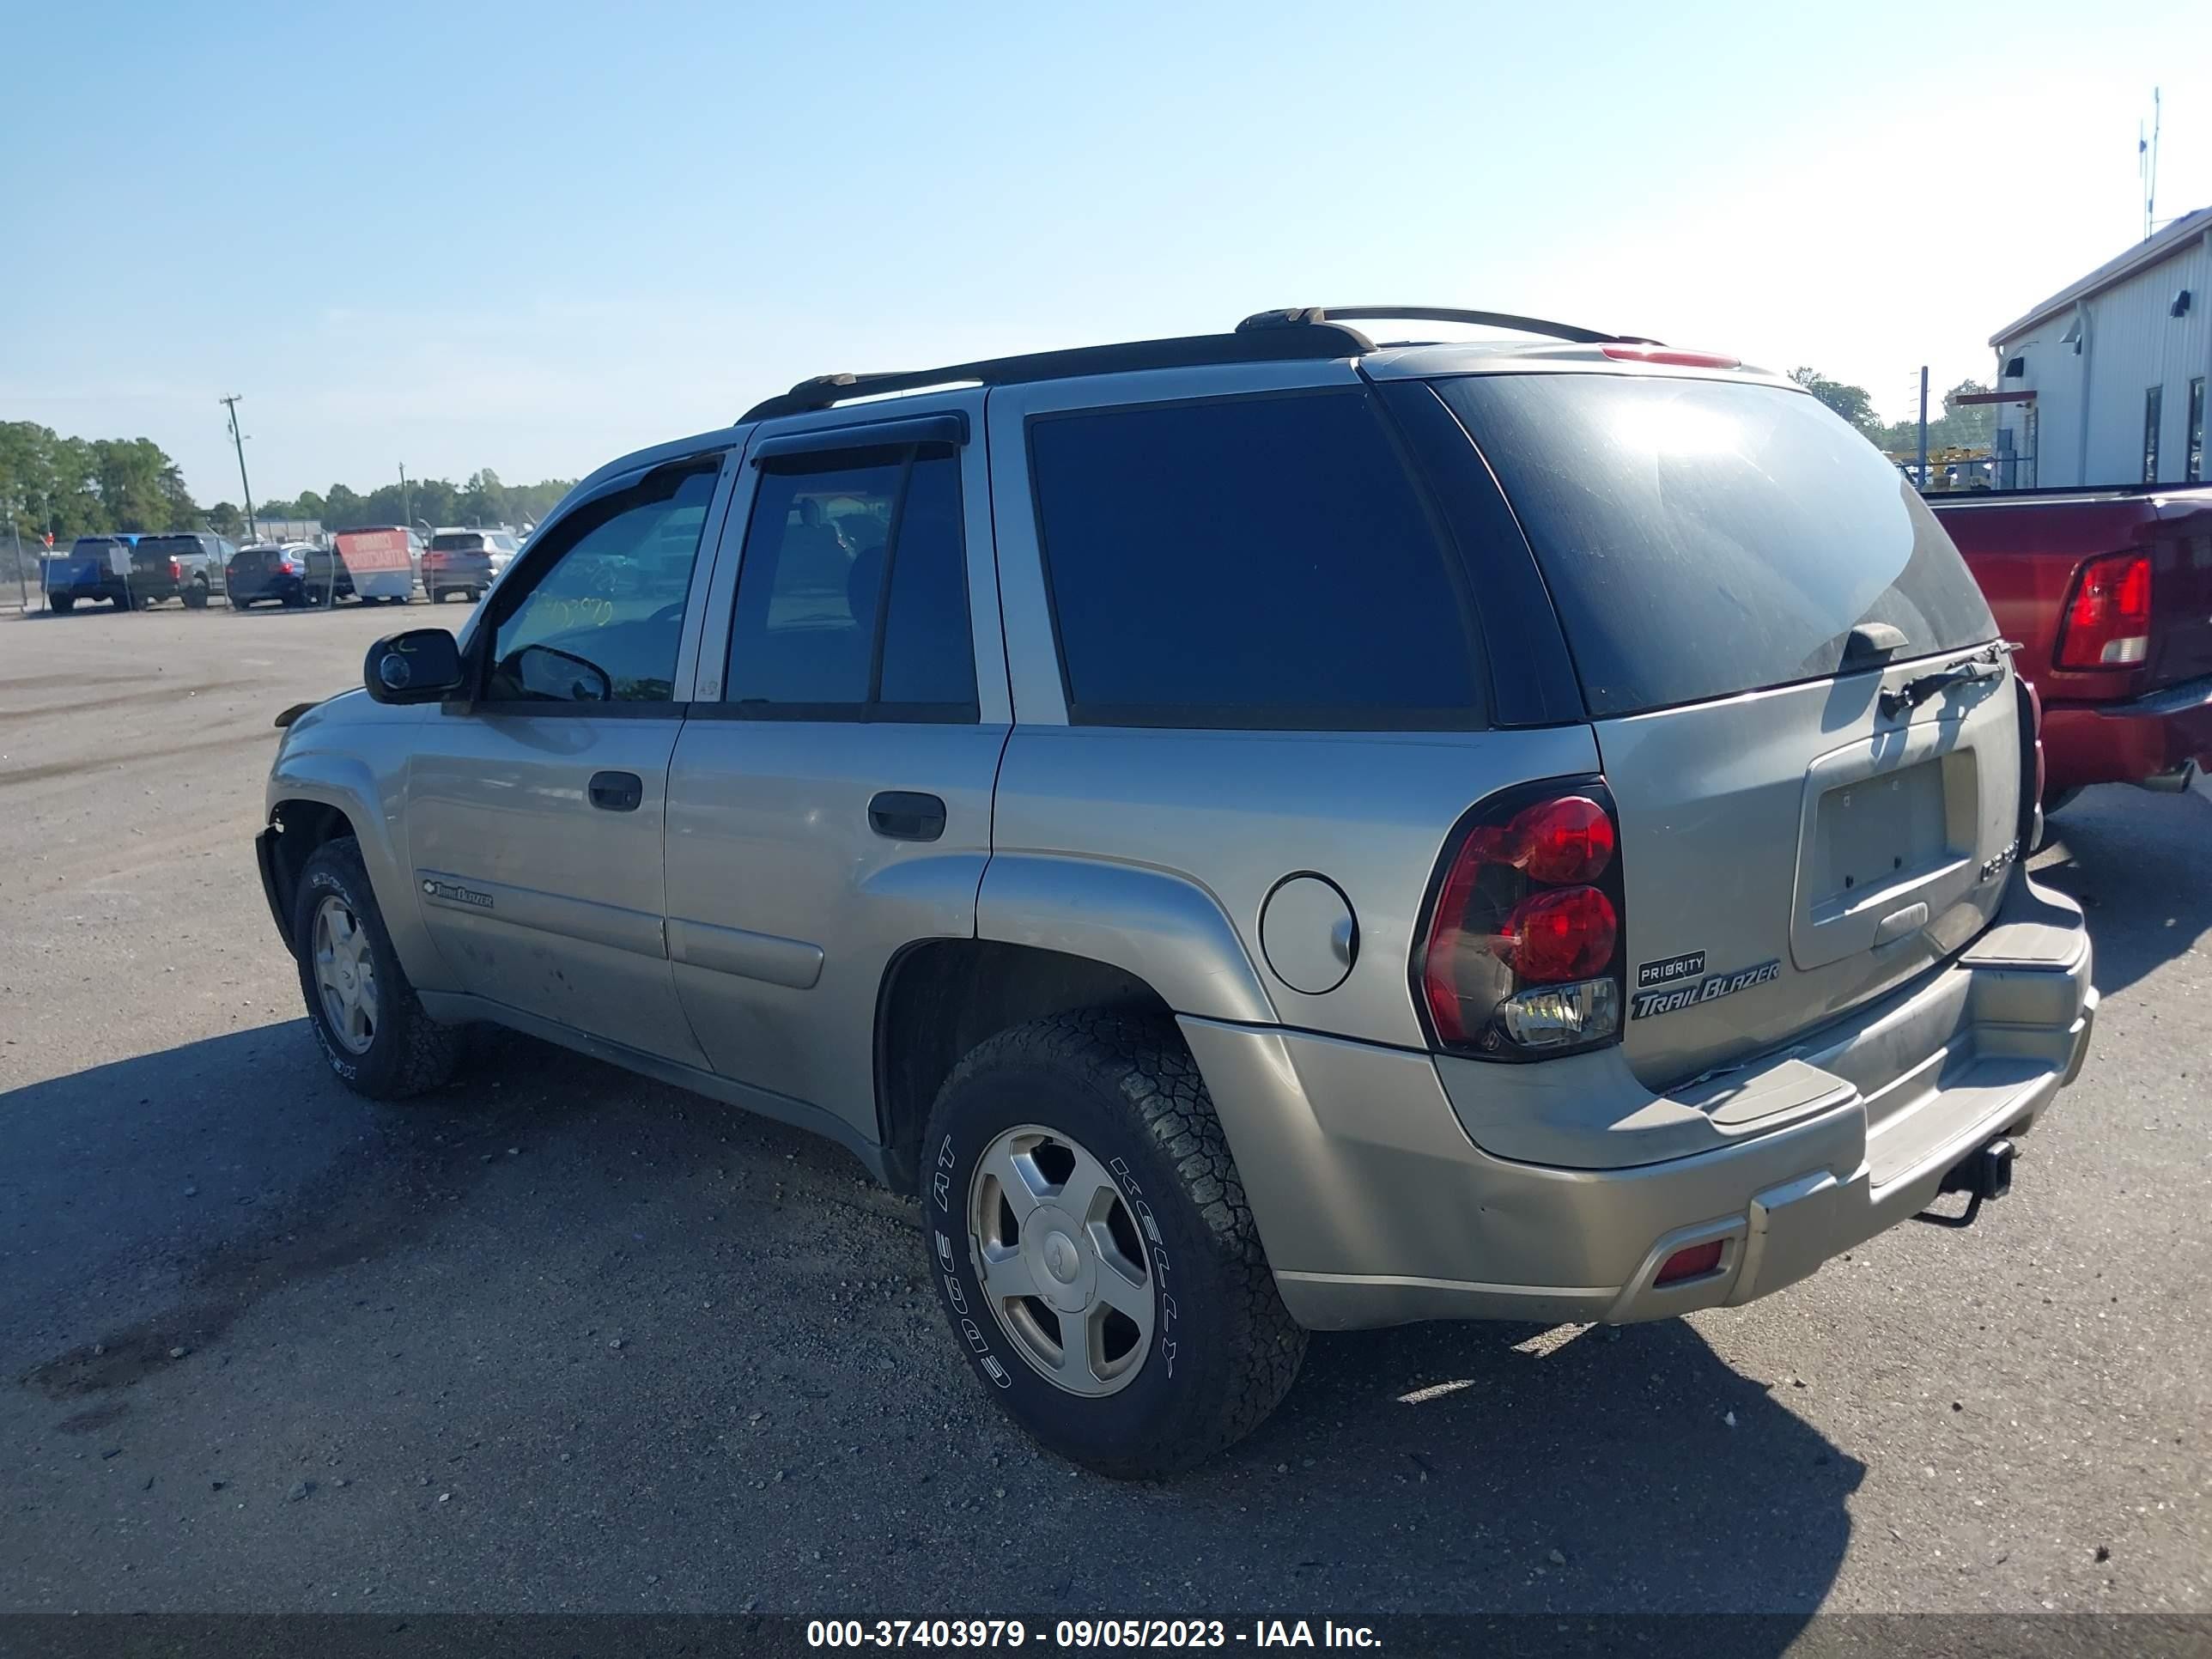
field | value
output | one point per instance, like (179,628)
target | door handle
(617,792)
(903,816)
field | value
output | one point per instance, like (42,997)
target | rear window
(457,544)
(168,547)
(1253,563)
(1704,537)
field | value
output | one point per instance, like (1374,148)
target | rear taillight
(176,571)
(2107,623)
(1520,954)
(288,569)
(1654,353)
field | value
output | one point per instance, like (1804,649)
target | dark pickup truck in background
(2109,592)
(129,570)
(95,568)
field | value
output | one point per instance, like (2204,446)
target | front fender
(1165,929)
(369,788)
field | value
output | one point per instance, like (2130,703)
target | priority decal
(1689,964)
(1712,988)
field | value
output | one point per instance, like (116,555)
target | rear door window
(818,634)
(1702,537)
(1255,563)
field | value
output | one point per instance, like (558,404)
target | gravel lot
(559,1339)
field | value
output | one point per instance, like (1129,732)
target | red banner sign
(368,551)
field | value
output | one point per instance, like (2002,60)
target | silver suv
(1260,833)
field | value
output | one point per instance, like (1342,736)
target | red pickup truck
(2109,592)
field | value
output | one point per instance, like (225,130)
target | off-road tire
(409,1053)
(1225,1351)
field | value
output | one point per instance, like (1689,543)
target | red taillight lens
(1639,353)
(288,568)
(2108,623)
(1566,840)
(1563,932)
(1521,952)
(176,571)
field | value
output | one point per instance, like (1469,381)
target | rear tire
(62,603)
(194,596)
(364,1010)
(1113,1107)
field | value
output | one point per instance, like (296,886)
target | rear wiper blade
(1987,664)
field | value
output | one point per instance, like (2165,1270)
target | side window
(1255,563)
(604,619)
(852,591)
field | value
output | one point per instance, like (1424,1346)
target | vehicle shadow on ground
(1571,1469)
(210,1221)
(2145,889)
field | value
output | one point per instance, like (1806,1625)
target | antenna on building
(2146,164)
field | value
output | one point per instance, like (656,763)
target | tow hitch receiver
(1986,1172)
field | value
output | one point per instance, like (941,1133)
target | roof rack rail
(1291,341)
(1320,316)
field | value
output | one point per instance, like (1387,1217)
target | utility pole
(1923,426)
(406,501)
(23,588)
(252,532)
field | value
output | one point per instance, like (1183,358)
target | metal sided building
(2105,382)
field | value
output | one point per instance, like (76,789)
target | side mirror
(423,664)
(543,674)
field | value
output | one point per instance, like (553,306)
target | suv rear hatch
(1808,728)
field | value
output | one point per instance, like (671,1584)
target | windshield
(457,544)
(1705,538)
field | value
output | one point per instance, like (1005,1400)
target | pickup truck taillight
(2107,622)
(176,571)
(1520,956)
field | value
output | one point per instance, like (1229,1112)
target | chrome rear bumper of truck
(1383,1197)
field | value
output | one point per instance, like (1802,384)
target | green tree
(342,508)
(1851,402)
(226,520)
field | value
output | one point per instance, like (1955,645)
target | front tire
(363,1009)
(1093,1250)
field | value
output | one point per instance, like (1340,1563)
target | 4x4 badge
(1711,988)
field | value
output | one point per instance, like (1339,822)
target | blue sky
(532,237)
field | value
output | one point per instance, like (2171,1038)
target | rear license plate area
(1890,831)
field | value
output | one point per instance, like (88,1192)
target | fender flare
(1163,928)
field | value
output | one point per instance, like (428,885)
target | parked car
(1291,835)
(457,561)
(2109,592)
(384,561)
(188,566)
(293,573)
(94,568)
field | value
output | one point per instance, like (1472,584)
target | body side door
(535,807)
(830,802)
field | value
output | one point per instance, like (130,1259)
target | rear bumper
(2128,742)
(1376,1207)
